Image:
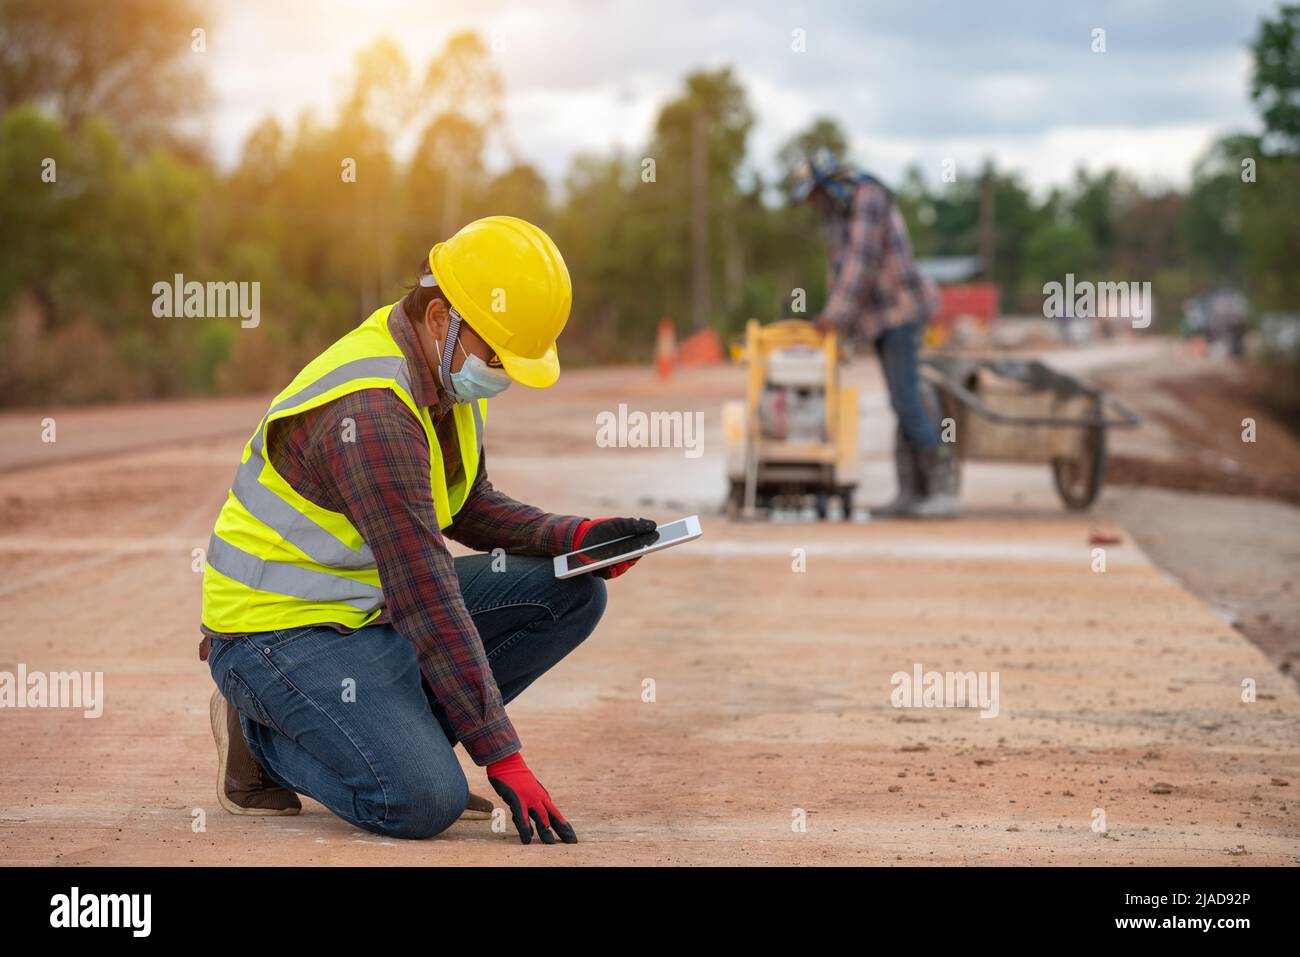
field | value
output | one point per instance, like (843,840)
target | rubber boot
(942,479)
(910,491)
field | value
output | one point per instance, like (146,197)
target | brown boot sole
(217,715)
(478,809)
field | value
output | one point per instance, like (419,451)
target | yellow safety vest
(277,560)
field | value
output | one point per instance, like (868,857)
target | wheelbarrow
(1011,410)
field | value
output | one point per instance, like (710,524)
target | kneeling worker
(350,651)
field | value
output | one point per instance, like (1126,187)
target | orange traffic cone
(700,348)
(665,348)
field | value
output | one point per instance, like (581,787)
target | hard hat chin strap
(449,350)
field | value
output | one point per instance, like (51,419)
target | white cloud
(913,82)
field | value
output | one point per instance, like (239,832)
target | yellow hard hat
(508,280)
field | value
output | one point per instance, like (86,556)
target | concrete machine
(793,440)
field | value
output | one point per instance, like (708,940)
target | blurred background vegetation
(138,200)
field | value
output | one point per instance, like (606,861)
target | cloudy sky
(915,81)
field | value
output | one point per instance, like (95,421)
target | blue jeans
(899,350)
(384,761)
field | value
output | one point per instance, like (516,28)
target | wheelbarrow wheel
(1079,480)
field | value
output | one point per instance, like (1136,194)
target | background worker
(350,651)
(875,294)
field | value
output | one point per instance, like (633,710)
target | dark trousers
(899,350)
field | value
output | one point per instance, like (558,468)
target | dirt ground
(1120,692)
(1236,543)
(1196,414)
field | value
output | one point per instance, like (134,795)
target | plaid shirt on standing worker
(872,283)
(380,482)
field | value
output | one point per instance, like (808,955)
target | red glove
(609,530)
(526,797)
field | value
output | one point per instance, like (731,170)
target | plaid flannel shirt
(380,482)
(872,283)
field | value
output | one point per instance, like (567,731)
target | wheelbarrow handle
(1127,418)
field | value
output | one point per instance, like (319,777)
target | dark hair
(418,297)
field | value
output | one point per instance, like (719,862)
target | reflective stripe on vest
(298,529)
(292,580)
(281,561)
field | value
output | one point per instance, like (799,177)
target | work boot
(242,786)
(941,477)
(910,490)
(478,809)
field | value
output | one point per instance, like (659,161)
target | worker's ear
(436,316)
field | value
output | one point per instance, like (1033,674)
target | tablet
(629,546)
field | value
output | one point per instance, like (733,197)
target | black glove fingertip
(543,831)
(565,832)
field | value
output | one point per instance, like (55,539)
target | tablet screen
(625,546)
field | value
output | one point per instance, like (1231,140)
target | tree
(130,61)
(518,191)
(383,97)
(1270,227)
(916,202)
(462,98)
(1053,250)
(1093,207)
(823,133)
(699,146)
(1275,87)
(1210,226)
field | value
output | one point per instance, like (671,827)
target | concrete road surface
(733,707)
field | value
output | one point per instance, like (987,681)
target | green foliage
(81,262)
(133,206)
(1270,225)
(823,133)
(1271,234)
(1275,87)
(1054,249)
(129,61)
